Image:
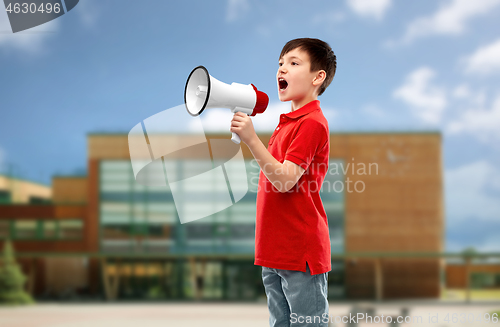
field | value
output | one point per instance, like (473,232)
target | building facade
(383,193)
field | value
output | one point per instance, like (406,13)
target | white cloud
(450,19)
(466,192)
(236,9)
(485,60)
(462,91)
(465,95)
(373,110)
(31,40)
(330,113)
(369,8)
(426,101)
(482,123)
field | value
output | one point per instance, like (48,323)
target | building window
(4,196)
(49,229)
(70,229)
(38,200)
(116,232)
(145,217)
(25,229)
(485,280)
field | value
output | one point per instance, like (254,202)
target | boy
(292,242)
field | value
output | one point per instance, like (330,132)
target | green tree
(12,279)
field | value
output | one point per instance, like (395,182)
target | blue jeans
(296,298)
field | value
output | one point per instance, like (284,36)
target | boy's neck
(297,104)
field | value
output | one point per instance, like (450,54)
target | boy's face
(294,77)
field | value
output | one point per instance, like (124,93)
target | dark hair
(320,55)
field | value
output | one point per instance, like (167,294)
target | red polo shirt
(292,228)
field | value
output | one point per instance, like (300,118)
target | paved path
(223,315)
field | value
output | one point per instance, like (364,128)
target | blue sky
(107,65)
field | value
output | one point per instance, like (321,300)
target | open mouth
(283,84)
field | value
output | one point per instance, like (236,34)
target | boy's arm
(284,175)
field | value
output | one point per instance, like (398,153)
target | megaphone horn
(203,91)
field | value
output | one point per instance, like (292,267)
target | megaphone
(203,92)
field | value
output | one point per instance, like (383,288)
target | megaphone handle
(236,139)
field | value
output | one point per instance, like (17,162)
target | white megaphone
(203,91)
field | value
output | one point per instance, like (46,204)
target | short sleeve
(309,138)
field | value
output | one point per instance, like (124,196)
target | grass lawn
(476,294)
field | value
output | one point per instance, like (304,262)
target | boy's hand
(242,125)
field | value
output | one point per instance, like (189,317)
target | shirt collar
(304,110)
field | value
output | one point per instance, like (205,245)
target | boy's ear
(319,78)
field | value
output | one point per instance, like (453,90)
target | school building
(105,234)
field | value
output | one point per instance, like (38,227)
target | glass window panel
(116,231)
(25,229)
(49,229)
(242,213)
(70,229)
(196,167)
(115,187)
(162,208)
(113,212)
(158,189)
(253,184)
(158,245)
(171,169)
(331,206)
(139,213)
(160,231)
(113,196)
(239,184)
(242,231)
(242,218)
(195,209)
(114,207)
(115,219)
(211,182)
(235,243)
(138,187)
(140,206)
(154,213)
(115,177)
(238,181)
(116,165)
(162,213)
(154,177)
(156,196)
(242,208)
(199,231)
(162,218)
(5,196)
(117,245)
